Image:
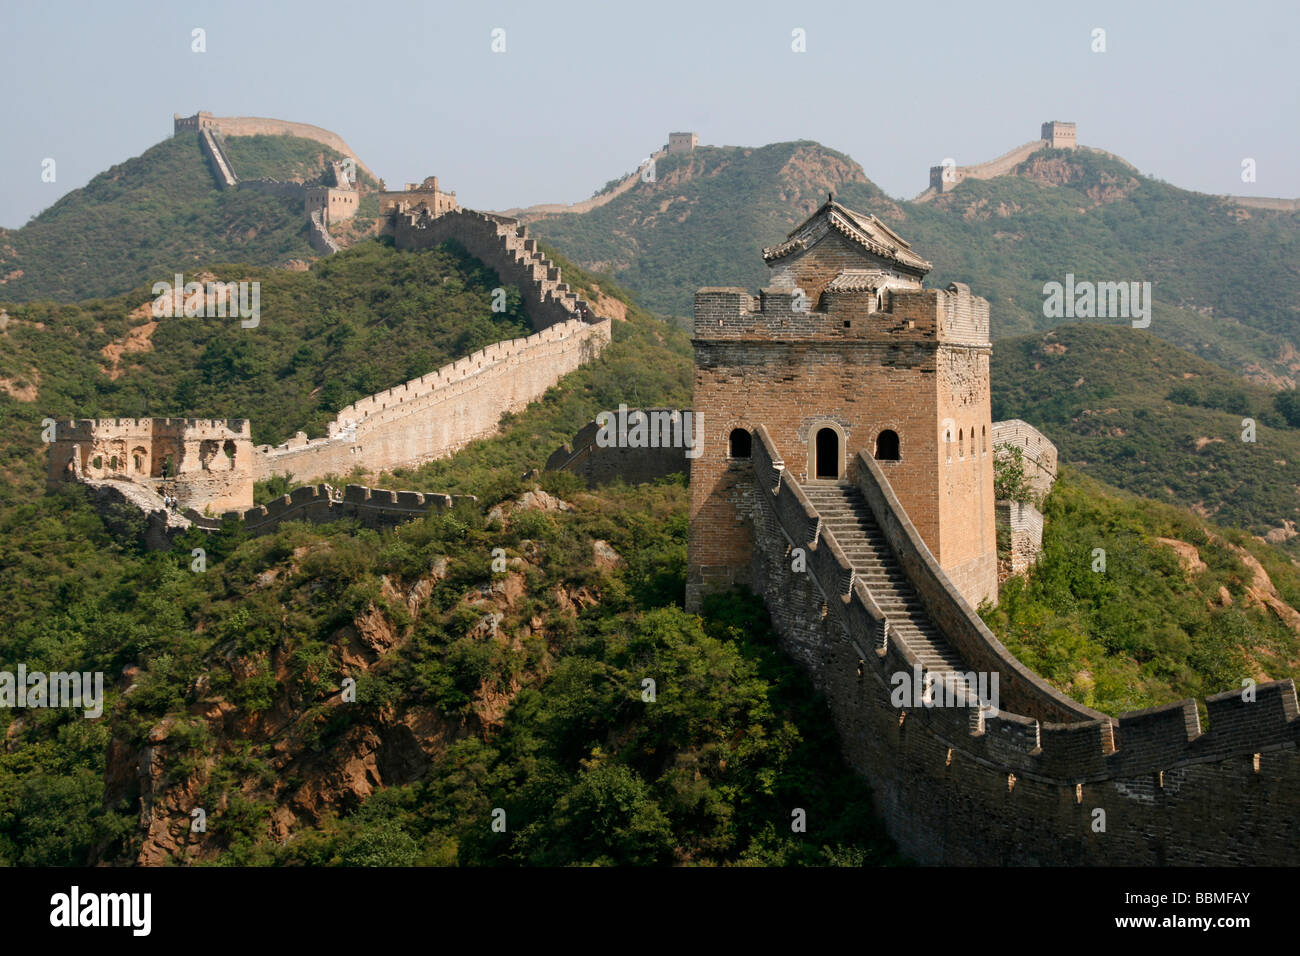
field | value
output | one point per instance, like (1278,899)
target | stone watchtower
(843,353)
(1060,135)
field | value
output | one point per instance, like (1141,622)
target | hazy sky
(1184,90)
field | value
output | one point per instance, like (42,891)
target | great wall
(320,504)
(832,483)
(847,477)
(335,199)
(211,465)
(957,786)
(262,126)
(1057,135)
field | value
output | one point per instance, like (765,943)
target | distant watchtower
(192,124)
(682,142)
(845,352)
(1059,135)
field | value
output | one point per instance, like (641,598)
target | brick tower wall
(967,540)
(797,372)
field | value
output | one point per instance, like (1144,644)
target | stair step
(846,518)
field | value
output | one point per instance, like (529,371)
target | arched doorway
(827,463)
(739,444)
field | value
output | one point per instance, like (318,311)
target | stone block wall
(682,142)
(917,367)
(1040,456)
(274,187)
(403,426)
(957,787)
(1024,524)
(318,234)
(987,170)
(582,456)
(336,204)
(374,507)
(435,415)
(501,244)
(257,125)
(417,197)
(201,462)
(1060,135)
(221,167)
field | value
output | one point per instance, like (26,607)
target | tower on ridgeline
(682,142)
(845,352)
(1059,135)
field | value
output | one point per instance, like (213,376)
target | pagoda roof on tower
(863,229)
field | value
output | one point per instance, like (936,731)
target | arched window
(887,446)
(828,454)
(112,463)
(961,444)
(739,443)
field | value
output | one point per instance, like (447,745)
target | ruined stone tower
(843,353)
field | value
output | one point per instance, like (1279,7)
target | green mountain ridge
(707,215)
(522,690)
(1144,415)
(159,213)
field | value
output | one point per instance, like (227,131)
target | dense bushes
(1112,617)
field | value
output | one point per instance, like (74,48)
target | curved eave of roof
(784,249)
(897,253)
(850,225)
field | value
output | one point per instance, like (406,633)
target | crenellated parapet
(503,244)
(373,507)
(212,466)
(439,413)
(845,315)
(960,785)
(1022,521)
(199,461)
(1038,452)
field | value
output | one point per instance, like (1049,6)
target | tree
(1009,480)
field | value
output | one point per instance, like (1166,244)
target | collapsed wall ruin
(1023,520)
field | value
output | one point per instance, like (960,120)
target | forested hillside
(708,214)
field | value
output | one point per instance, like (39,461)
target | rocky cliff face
(327,736)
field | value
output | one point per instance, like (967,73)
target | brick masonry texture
(1040,780)
(1022,520)
(582,456)
(213,464)
(956,787)
(895,358)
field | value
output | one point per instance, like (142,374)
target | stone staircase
(847,518)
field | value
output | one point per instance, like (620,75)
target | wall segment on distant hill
(404,426)
(263,126)
(433,416)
